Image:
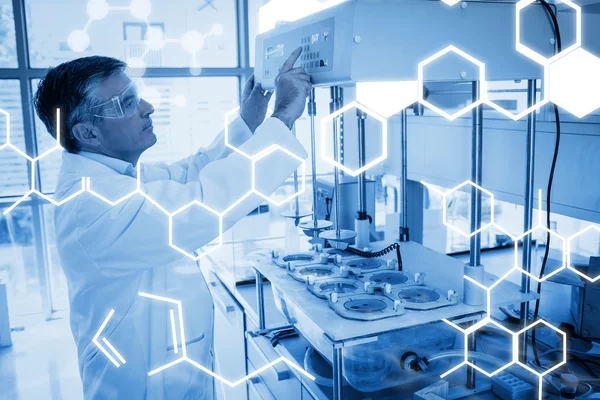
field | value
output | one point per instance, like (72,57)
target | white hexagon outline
(384,138)
(262,154)
(563,249)
(533,325)
(207,208)
(482,82)
(478,368)
(569,239)
(538,374)
(533,108)
(33,190)
(550,86)
(533,55)
(226,130)
(483,227)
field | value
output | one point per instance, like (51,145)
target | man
(109,254)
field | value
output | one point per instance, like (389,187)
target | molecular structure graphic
(107,343)
(192,41)
(184,357)
(566,264)
(33,161)
(86,186)
(559,88)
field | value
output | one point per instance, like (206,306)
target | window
(201,38)
(189,114)
(14,179)
(18,266)
(199,33)
(8,43)
(253,7)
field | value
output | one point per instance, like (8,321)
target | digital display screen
(274,51)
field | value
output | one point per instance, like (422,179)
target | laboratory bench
(241,347)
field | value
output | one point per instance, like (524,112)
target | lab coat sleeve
(134,235)
(188,169)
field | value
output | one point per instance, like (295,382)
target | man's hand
(293,87)
(254,104)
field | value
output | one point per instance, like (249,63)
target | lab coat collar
(85,162)
(122,167)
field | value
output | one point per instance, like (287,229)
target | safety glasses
(124,104)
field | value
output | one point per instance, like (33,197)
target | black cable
(380,253)
(552,15)
(328,208)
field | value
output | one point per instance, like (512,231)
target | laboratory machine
(371,317)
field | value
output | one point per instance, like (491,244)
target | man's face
(128,136)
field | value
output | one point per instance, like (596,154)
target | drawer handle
(280,370)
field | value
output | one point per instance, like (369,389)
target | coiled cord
(380,253)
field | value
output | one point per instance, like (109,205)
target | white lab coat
(109,254)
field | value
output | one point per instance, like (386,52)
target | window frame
(24,73)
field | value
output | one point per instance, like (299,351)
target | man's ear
(86,134)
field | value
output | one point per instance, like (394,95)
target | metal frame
(337,346)
(528,213)
(24,73)
(476,177)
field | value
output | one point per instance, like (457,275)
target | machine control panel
(316,41)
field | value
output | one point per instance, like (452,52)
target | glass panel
(189,114)
(198,33)
(58,281)
(8,43)
(253,6)
(49,165)
(14,178)
(18,267)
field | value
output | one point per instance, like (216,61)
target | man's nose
(146,108)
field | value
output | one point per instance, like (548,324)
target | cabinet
(229,342)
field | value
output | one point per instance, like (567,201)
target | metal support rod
(476,177)
(528,211)
(342,153)
(260,299)
(333,107)
(297,198)
(362,184)
(338,378)
(476,173)
(312,111)
(403,198)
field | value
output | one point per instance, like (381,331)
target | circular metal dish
(365,305)
(391,277)
(365,264)
(418,295)
(316,271)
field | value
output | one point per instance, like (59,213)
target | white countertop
(442,271)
